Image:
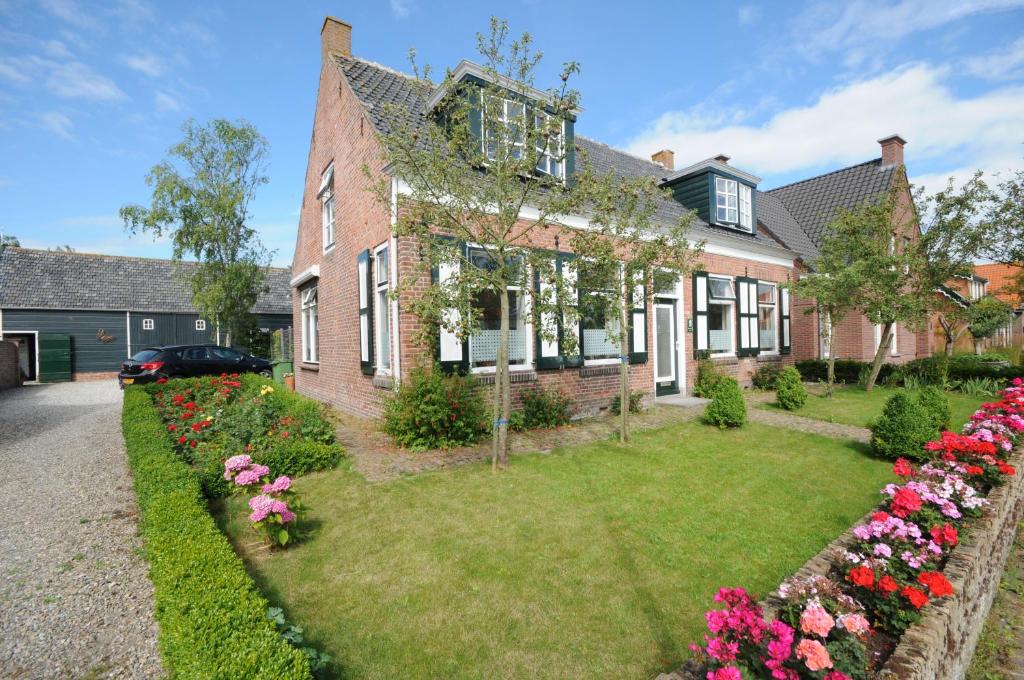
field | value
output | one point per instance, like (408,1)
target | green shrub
(790,392)
(936,404)
(636,400)
(848,371)
(903,429)
(764,378)
(213,620)
(727,408)
(708,378)
(299,456)
(307,414)
(545,408)
(978,387)
(932,370)
(516,421)
(433,410)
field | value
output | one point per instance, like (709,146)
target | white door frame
(36,334)
(658,378)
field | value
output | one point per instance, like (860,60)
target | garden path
(375,457)
(794,422)
(75,600)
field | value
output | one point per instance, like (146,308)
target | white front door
(665,376)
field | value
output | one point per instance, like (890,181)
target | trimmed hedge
(928,370)
(903,429)
(213,620)
(727,408)
(790,392)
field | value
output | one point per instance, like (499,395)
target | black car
(182,361)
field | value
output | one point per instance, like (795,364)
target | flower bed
(845,618)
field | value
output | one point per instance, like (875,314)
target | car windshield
(225,353)
(145,355)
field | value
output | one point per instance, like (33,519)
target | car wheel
(267,373)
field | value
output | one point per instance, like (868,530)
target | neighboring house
(960,291)
(1003,282)
(79,315)
(353,341)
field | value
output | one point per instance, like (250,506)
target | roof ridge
(375,64)
(825,174)
(75,253)
(624,153)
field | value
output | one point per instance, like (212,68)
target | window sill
(384,382)
(725,359)
(765,357)
(521,376)
(597,370)
(309,366)
(330,248)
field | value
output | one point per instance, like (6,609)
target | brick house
(1002,281)
(353,342)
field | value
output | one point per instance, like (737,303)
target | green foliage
(434,410)
(298,457)
(764,378)
(790,392)
(848,371)
(516,421)
(201,195)
(903,429)
(636,400)
(934,370)
(318,661)
(979,387)
(708,378)
(727,408)
(546,408)
(213,621)
(987,315)
(936,404)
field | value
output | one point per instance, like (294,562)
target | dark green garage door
(54,357)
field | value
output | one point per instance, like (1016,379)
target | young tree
(832,286)
(623,253)
(953,317)
(986,316)
(201,197)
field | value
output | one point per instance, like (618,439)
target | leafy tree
(625,253)
(986,316)
(61,249)
(832,286)
(201,197)
(8,240)
(953,319)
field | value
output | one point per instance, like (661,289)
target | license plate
(127,381)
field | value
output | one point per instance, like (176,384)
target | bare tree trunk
(883,347)
(503,389)
(623,372)
(977,346)
(831,379)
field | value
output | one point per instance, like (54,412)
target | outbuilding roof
(44,279)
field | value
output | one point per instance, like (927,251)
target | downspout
(396,342)
(128,327)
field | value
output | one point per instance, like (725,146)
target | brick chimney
(666,158)
(892,149)
(335,36)
(722,158)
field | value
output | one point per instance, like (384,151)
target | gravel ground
(75,601)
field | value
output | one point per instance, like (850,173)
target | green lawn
(594,561)
(853,406)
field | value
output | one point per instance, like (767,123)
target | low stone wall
(100,375)
(9,373)
(941,644)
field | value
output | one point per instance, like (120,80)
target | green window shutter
(701,333)
(549,354)
(748,342)
(785,341)
(638,321)
(364,274)
(570,277)
(452,352)
(570,152)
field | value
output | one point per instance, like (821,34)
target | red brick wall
(342,135)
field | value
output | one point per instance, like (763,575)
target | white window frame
(327,217)
(775,317)
(893,346)
(731,304)
(746,207)
(528,362)
(605,361)
(200,324)
(725,188)
(310,300)
(505,119)
(977,289)
(148,324)
(543,154)
(382,312)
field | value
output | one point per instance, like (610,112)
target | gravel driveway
(74,597)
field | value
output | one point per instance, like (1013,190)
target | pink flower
(816,620)
(837,675)
(855,623)
(287,516)
(720,650)
(280,484)
(727,673)
(235,463)
(814,654)
(261,507)
(247,477)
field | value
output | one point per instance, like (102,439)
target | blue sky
(92,94)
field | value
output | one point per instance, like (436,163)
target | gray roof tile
(774,215)
(43,279)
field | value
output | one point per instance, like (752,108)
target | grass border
(213,620)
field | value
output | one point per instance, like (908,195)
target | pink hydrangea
(279,485)
(236,463)
(816,620)
(252,475)
(261,507)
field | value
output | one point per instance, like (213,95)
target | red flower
(1005,468)
(937,584)
(974,470)
(945,534)
(196,427)
(887,585)
(181,439)
(190,406)
(902,468)
(178,399)
(186,415)
(916,597)
(905,502)
(172,427)
(192,443)
(161,381)
(862,576)
(879,516)
(285,434)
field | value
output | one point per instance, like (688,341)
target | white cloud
(401,9)
(14,69)
(1004,63)
(148,64)
(56,49)
(57,123)
(842,127)
(748,14)
(859,25)
(75,80)
(91,221)
(69,12)
(166,102)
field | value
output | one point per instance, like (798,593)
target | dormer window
(733,203)
(507,114)
(550,149)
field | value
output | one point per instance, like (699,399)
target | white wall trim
(128,328)
(310,273)
(395,312)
